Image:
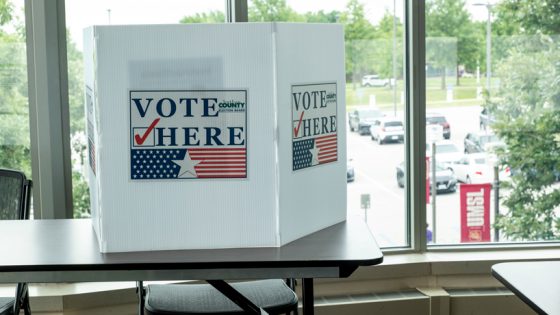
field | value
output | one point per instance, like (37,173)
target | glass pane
(14,106)
(492,71)
(374,93)
(81,14)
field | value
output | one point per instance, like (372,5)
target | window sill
(399,271)
(453,262)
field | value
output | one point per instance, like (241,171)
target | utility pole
(496,200)
(394,81)
(434,192)
(488,48)
(488,6)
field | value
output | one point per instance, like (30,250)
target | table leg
(308,297)
(140,292)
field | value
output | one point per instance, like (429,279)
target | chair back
(14,195)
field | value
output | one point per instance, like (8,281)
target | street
(375,174)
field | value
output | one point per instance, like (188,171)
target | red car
(435,118)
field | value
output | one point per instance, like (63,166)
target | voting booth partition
(214,135)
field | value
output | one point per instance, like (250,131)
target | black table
(67,251)
(537,283)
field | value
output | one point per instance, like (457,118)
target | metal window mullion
(236,11)
(416,118)
(48,108)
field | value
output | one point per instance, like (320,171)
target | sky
(81,13)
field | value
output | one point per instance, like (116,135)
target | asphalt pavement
(375,169)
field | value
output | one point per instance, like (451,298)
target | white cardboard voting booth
(214,136)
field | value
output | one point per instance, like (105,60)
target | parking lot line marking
(373,181)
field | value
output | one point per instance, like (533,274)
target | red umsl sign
(475,212)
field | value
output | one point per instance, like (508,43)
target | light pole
(488,6)
(394,81)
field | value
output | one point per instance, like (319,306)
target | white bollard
(372,101)
(450,93)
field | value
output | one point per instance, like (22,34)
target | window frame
(47,72)
(50,132)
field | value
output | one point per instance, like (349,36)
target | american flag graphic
(313,151)
(189,163)
(91,152)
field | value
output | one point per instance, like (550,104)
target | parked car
(361,118)
(445,179)
(482,142)
(486,119)
(446,152)
(374,80)
(476,168)
(349,171)
(435,118)
(387,129)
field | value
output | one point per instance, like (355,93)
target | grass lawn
(382,97)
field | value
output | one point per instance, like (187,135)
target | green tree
(322,17)
(272,10)
(384,46)
(527,114)
(368,49)
(358,34)
(528,17)
(75,86)
(80,190)
(6,12)
(521,17)
(449,19)
(14,112)
(205,17)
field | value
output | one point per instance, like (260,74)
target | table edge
(515,291)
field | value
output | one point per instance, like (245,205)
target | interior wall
(341,296)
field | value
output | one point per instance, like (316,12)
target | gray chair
(274,296)
(15,194)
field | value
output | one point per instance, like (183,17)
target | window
(81,14)
(14,107)
(489,68)
(374,89)
(491,72)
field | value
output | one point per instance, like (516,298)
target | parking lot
(375,174)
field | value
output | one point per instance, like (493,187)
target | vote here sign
(314,127)
(188,134)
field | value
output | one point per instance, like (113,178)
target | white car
(387,129)
(374,80)
(476,169)
(446,152)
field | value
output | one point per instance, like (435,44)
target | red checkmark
(296,130)
(140,139)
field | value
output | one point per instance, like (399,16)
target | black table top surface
(537,283)
(71,245)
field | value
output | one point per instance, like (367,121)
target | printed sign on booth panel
(188,134)
(314,120)
(475,212)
